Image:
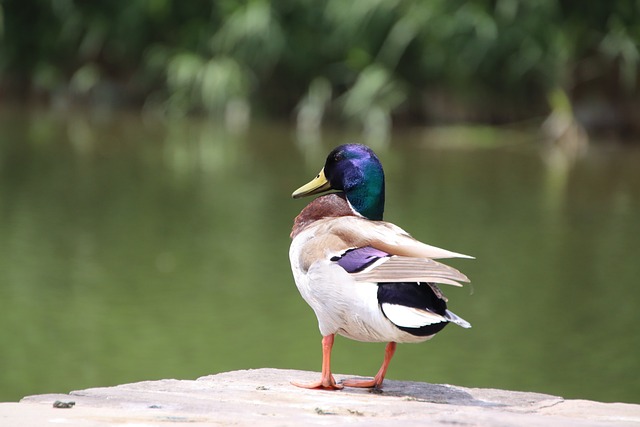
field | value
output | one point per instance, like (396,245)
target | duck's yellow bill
(317,185)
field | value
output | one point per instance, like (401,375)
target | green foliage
(378,58)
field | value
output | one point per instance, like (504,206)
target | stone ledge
(264,397)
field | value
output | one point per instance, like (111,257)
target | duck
(365,279)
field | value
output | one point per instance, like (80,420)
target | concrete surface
(264,397)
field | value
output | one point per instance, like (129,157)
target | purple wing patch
(355,260)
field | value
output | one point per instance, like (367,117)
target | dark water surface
(136,249)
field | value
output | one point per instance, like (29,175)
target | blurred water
(133,249)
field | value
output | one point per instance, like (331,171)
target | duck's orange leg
(327,382)
(376,382)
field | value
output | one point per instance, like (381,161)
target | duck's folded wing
(387,237)
(369,264)
(407,269)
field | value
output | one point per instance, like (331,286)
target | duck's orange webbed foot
(373,383)
(324,384)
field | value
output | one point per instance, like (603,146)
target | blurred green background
(364,62)
(148,150)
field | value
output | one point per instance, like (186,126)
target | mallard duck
(365,279)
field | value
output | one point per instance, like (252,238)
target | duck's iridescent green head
(355,170)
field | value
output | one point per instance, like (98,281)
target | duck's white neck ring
(353,209)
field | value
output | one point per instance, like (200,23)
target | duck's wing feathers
(369,264)
(406,269)
(382,252)
(387,237)
(377,251)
